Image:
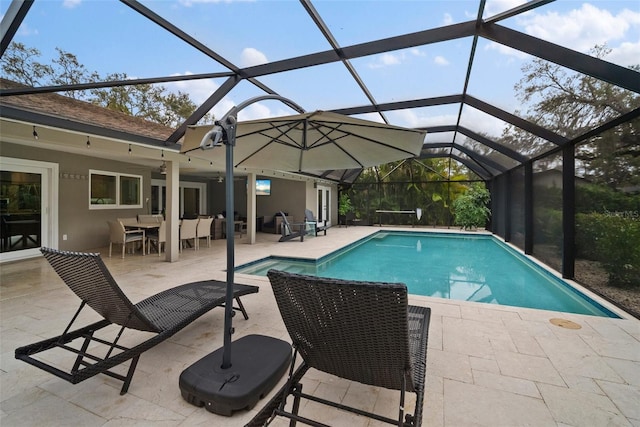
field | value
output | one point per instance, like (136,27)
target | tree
(18,63)
(570,104)
(428,184)
(151,102)
(470,209)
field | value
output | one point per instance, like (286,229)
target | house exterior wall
(85,229)
(287,196)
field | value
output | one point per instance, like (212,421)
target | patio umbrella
(303,142)
(309,142)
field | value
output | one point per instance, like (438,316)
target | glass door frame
(48,203)
(323,194)
(202,186)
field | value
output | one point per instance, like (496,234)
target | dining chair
(158,236)
(131,220)
(119,235)
(188,231)
(204,231)
(149,218)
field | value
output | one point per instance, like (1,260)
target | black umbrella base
(257,364)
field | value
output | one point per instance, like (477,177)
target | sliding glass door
(26,201)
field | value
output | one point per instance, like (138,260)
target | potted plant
(344,207)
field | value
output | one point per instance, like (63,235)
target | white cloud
(26,31)
(254,111)
(223,107)
(372,117)
(390,59)
(250,57)
(626,54)
(481,123)
(581,29)
(198,90)
(506,50)
(260,110)
(440,60)
(71,4)
(494,7)
(447,20)
(418,119)
(386,59)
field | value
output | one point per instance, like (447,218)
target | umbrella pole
(230,142)
(213,381)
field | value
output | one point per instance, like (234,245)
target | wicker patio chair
(360,331)
(162,314)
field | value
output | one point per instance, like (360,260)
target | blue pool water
(456,266)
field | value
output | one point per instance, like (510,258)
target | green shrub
(590,229)
(600,198)
(470,209)
(548,226)
(614,240)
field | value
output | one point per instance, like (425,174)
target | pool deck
(486,365)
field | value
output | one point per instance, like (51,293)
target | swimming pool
(464,267)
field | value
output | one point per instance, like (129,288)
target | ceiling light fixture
(35,134)
(220,179)
(129,149)
(162,155)
(189,159)
(163,168)
(88,142)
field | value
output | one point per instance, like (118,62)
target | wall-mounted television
(263,187)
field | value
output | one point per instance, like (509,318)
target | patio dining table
(131,225)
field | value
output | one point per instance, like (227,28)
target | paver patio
(486,365)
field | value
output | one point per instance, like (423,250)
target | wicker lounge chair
(162,314)
(360,331)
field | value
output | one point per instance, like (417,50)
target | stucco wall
(286,196)
(85,229)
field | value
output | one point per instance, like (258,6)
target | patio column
(172,246)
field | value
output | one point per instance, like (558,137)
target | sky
(109,37)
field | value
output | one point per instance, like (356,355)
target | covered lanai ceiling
(446,67)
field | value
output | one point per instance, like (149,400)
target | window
(110,190)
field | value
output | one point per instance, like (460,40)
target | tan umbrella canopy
(310,142)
